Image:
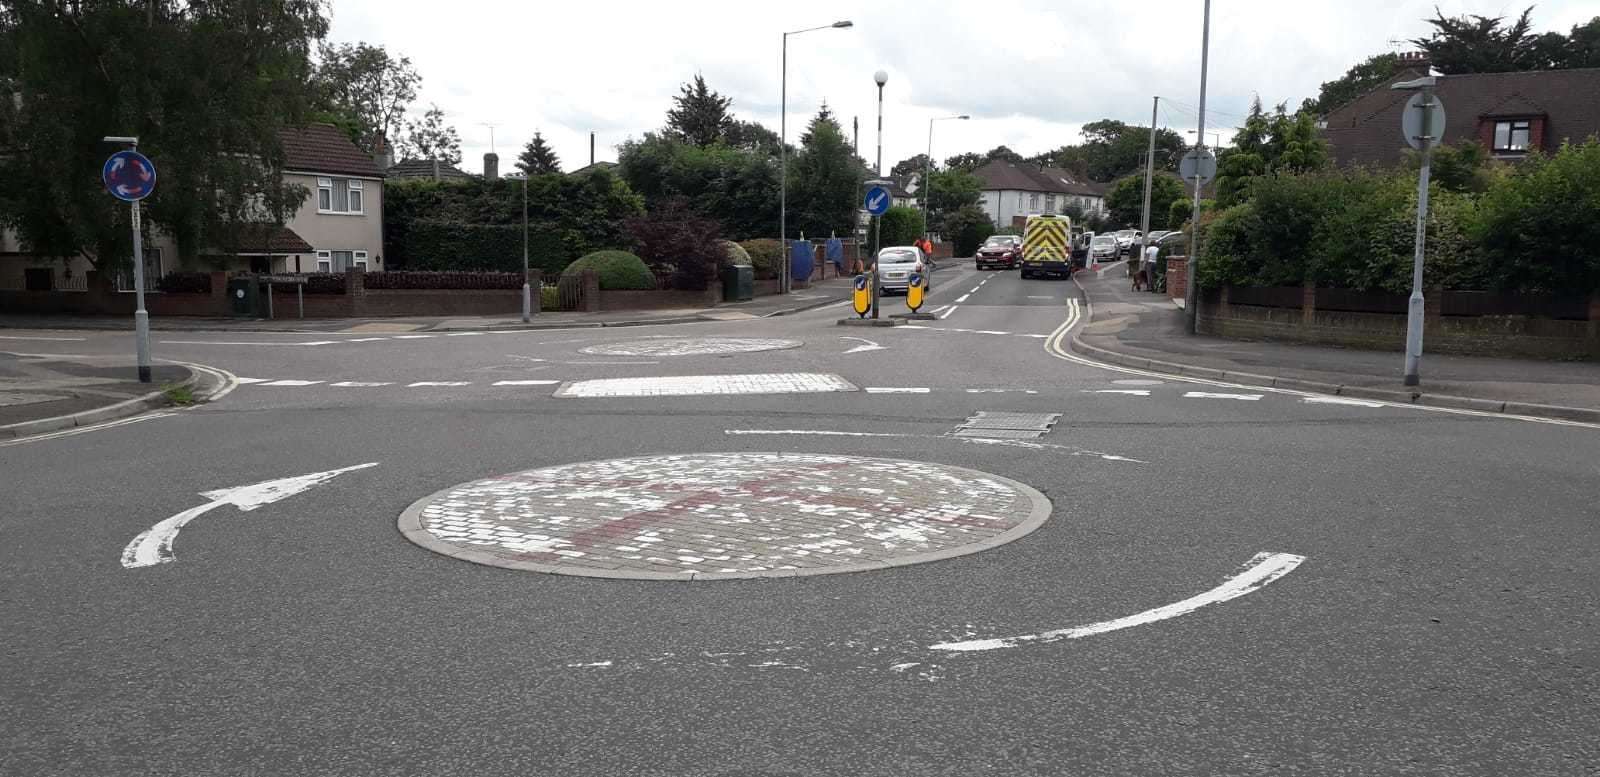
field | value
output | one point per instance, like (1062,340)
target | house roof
(1022,176)
(424,168)
(271,239)
(1366,130)
(594,168)
(324,148)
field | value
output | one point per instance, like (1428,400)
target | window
(1050,203)
(1033,202)
(361,259)
(340,195)
(152,272)
(1511,137)
(324,261)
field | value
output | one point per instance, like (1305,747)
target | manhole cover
(691,346)
(711,516)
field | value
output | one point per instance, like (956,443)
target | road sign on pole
(1423,117)
(130,176)
(1198,164)
(877,200)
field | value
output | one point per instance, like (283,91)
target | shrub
(1540,226)
(968,228)
(185,283)
(677,245)
(406,279)
(766,257)
(549,298)
(733,255)
(899,226)
(325,283)
(618,270)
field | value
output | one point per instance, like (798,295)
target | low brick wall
(1504,336)
(103,300)
(441,302)
(659,299)
(1177,276)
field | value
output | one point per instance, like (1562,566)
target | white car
(895,266)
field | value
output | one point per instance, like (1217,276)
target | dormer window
(1512,136)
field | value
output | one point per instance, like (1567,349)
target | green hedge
(734,254)
(766,257)
(617,270)
(899,226)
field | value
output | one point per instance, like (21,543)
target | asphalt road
(1443,621)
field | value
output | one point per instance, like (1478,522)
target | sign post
(131,177)
(1422,123)
(876,204)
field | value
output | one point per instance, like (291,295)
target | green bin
(244,297)
(738,283)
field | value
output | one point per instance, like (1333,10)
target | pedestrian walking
(1147,269)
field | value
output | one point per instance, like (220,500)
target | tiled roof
(1022,176)
(323,148)
(424,168)
(271,239)
(1366,130)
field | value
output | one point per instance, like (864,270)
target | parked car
(1104,248)
(1000,252)
(895,266)
(1156,235)
(1127,240)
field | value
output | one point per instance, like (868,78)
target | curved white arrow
(866,345)
(154,545)
(1262,569)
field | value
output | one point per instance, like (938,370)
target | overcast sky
(1031,73)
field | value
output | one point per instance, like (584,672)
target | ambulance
(1047,246)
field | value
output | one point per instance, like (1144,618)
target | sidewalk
(1135,327)
(818,294)
(42,394)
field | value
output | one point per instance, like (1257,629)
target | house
(1018,189)
(900,198)
(432,169)
(1508,113)
(339,226)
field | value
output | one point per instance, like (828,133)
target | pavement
(1142,326)
(61,391)
(817,294)
(1231,579)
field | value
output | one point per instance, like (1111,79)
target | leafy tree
(678,243)
(699,116)
(537,158)
(823,180)
(906,167)
(1002,152)
(1480,44)
(899,226)
(966,162)
(367,84)
(1462,167)
(948,193)
(1583,45)
(431,138)
(737,187)
(1301,148)
(1125,200)
(1539,225)
(751,136)
(206,87)
(1358,80)
(967,228)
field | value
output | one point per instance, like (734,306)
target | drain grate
(1001,425)
(999,434)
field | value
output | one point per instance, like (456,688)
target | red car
(1000,252)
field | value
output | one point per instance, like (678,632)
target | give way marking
(154,545)
(866,345)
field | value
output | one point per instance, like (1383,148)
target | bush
(678,245)
(618,270)
(325,283)
(899,226)
(185,283)
(549,298)
(404,279)
(968,228)
(733,255)
(766,257)
(1539,227)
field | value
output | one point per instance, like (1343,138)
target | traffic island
(870,322)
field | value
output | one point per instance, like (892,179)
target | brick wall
(1177,276)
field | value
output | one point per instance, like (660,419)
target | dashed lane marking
(526,382)
(704,385)
(1218,395)
(963,298)
(291,383)
(1130,392)
(52,339)
(362,383)
(427,383)
(896,390)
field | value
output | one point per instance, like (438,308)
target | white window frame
(359,259)
(325,187)
(356,194)
(324,261)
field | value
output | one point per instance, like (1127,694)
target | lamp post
(1217,136)
(927,169)
(783,149)
(1421,130)
(1191,297)
(141,317)
(527,289)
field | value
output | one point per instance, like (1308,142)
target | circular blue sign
(877,201)
(129,176)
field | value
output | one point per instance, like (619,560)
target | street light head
(963,117)
(882,77)
(1425,82)
(120,139)
(843,24)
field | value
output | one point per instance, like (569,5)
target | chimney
(591,149)
(491,166)
(1416,60)
(384,158)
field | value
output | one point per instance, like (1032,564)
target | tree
(368,85)
(735,186)
(967,227)
(824,180)
(537,158)
(1583,45)
(699,116)
(1480,44)
(948,193)
(206,87)
(1125,201)
(1461,167)
(1002,152)
(905,167)
(431,138)
(899,226)
(678,243)
(1358,80)
(750,136)
(966,162)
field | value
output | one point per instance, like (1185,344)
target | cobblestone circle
(709,516)
(690,346)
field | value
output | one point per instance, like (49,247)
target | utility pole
(1191,299)
(783,150)
(1149,177)
(527,289)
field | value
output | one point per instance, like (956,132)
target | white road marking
(975,289)
(1218,395)
(1258,572)
(526,382)
(1129,392)
(439,383)
(866,345)
(321,342)
(413,337)
(947,313)
(963,298)
(291,383)
(84,429)
(1339,401)
(896,390)
(1030,445)
(362,383)
(235,342)
(366,339)
(935,311)
(811,432)
(1042,337)
(1000,391)
(462,334)
(52,339)
(992,332)
(154,545)
(248,381)
(1039,297)
(701,385)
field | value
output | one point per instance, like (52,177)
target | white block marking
(362,383)
(1259,571)
(1340,401)
(321,342)
(963,298)
(421,383)
(247,381)
(1216,395)
(896,390)
(1129,392)
(701,385)
(526,382)
(291,383)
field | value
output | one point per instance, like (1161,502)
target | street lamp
(1216,135)
(927,169)
(783,149)
(1191,296)
(527,289)
(1424,134)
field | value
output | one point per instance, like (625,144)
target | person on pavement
(1147,271)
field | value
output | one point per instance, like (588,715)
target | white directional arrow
(154,545)
(866,345)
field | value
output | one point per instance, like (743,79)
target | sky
(1030,73)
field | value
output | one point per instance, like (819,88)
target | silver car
(895,266)
(1104,248)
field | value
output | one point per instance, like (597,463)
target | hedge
(734,254)
(405,279)
(185,283)
(618,270)
(766,257)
